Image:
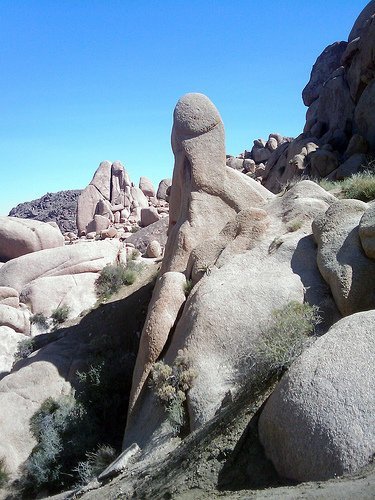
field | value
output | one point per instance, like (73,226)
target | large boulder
(22,236)
(146,186)
(366,13)
(164,184)
(9,340)
(364,113)
(327,62)
(88,257)
(341,259)
(318,423)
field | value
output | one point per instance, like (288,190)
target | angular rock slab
(319,421)
(367,231)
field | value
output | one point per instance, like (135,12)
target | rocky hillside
(58,207)
(237,357)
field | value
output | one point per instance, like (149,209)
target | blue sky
(83,81)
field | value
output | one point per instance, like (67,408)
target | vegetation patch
(359,186)
(188,286)
(60,314)
(24,348)
(289,333)
(96,462)
(170,384)
(294,225)
(40,320)
(4,476)
(114,276)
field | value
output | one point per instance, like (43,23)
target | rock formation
(20,236)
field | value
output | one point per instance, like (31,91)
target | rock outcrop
(230,237)
(318,423)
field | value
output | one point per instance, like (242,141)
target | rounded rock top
(195,114)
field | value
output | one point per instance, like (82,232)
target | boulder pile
(338,138)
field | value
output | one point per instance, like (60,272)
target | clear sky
(87,80)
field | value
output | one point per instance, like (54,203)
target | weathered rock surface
(327,62)
(60,207)
(154,249)
(341,259)
(318,423)
(9,340)
(22,236)
(241,259)
(156,231)
(146,186)
(164,184)
(149,216)
(367,231)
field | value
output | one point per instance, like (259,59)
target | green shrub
(360,186)
(188,286)
(135,229)
(294,225)
(170,384)
(60,314)
(24,349)
(97,461)
(40,320)
(113,276)
(135,254)
(4,476)
(288,334)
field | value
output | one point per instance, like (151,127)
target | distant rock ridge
(57,207)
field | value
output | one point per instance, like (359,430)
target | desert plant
(170,384)
(135,229)
(24,348)
(135,254)
(188,286)
(4,476)
(96,462)
(60,314)
(288,334)
(40,320)
(360,186)
(294,225)
(113,276)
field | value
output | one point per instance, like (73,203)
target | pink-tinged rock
(99,223)
(9,296)
(139,199)
(111,232)
(85,257)
(149,216)
(154,249)
(22,236)
(146,186)
(17,319)
(162,189)
(102,179)
(86,207)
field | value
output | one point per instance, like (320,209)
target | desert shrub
(170,384)
(113,276)
(188,286)
(360,186)
(60,428)
(4,476)
(96,462)
(135,254)
(60,314)
(24,348)
(40,320)
(135,229)
(294,225)
(289,333)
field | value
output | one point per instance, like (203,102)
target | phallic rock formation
(222,238)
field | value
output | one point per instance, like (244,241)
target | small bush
(40,320)
(113,276)
(135,229)
(97,461)
(360,186)
(135,254)
(4,476)
(170,384)
(24,349)
(188,286)
(60,314)
(294,225)
(288,335)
